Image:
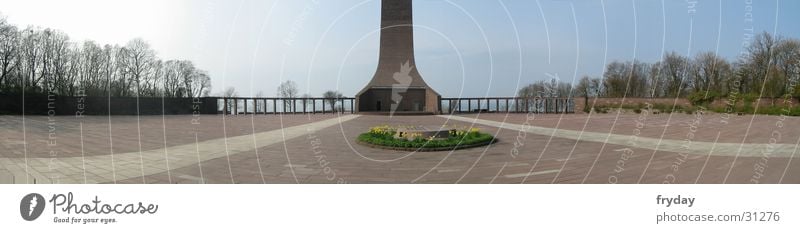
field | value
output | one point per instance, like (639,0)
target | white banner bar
(399,208)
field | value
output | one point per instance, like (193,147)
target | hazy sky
(463,48)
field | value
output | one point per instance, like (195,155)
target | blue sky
(463,47)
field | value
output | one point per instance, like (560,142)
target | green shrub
(384,136)
(747,108)
(749,98)
(601,110)
(662,107)
(719,109)
(689,110)
(702,98)
(794,111)
(778,110)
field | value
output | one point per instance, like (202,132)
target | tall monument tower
(397,85)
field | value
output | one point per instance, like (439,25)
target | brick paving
(110,167)
(329,154)
(156,132)
(731,128)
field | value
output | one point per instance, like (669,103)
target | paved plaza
(316,148)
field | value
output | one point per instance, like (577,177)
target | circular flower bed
(397,138)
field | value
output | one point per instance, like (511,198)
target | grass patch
(384,136)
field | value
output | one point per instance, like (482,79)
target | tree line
(769,67)
(44,61)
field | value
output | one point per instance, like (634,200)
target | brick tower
(397,85)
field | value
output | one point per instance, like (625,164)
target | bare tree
(536,89)
(787,61)
(138,62)
(260,105)
(674,69)
(59,60)
(196,82)
(171,79)
(552,88)
(72,70)
(708,73)
(638,79)
(307,103)
(587,87)
(758,62)
(155,79)
(46,61)
(331,97)
(230,92)
(90,63)
(30,59)
(110,69)
(558,89)
(187,76)
(9,43)
(201,86)
(288,89)
(615,79)
(49,52)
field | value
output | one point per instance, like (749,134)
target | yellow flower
(383,129)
